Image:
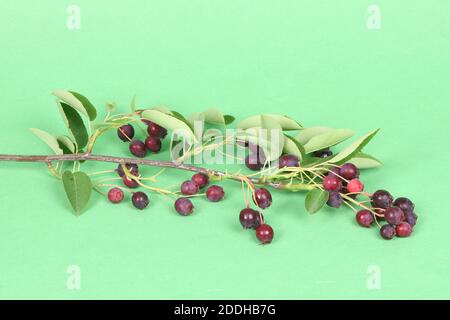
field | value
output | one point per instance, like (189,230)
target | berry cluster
(152,143)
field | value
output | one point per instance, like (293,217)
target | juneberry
(125,133)
(153,144)
(264,233)
(184,206)
(394,215)
(189,188)
(138,148)
(115,195)
(332,183)
(249,218)
(288,160)
(382,199)
(140,200)
(404,230)
(387,231)
(349,171)
(200,179)
(263,198)
(334,199)
(215,193)
(364,218)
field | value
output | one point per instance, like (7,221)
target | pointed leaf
(292,146)
(306,134)
(214,116)
(229,119)
(50,140)
(354,148)
(315,200)
(173,122)
(75,124)
(78,187)
(285,122)
(78,102)
(327,139)
(365,161)
(67,145)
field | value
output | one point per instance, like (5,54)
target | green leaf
(365,161)
(214,116)
(307,134)
(49,140)
(285,122)
(175,122)
(78,102)
(315,200)
(78,187)
(66,144)
(75,124)
(292,146)
(354,148)
(327,139)
(229,119)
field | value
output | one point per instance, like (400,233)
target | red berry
(394,215)
(133,168)
(263,198)
(382,199)
(189,188)
(184,206)
(138,149)
(115,195)
(155,130)
(249,218)
(140,200)
(364,218)
(264,233)
(404,230)
(125,133)
(355,186)
(130,183)
(288,160)
(387,231)
(349,171)
(332,183)
(200,179)
(153,144)
(215,193)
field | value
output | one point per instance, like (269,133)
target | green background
(313,60)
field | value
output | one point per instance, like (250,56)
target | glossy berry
(288,160)
(332,183)
(355,186)
(403,230)
(215,193)
(404,203)
(263,198)
(264,233)
(254,162)
(130,183)
(364,218)
(126,133)
(184,206)
(382,199)
(249,218)
(189,188)
(349,171)
(411,218)
(325,153)
(200,179)
(387,232)
(133,168)
(334,199)
(138,148)
(155,130)
(140,200)
(394,215)
(115,195)
(153,144)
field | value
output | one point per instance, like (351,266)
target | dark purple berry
(263,198)
(125,133)
(264,233)
(411,218)
(349,171)
(133,168)
(382,199)
(153,144)
(189,188)
(253,162)
(115,195)
(155,130)
(334,172)
(404,203)
(334,199)
(200,179)
(332,183)
(249,218)
(403,230)
(138,148)
(325,153)
(288,160)
(394,215)
(130,183)
(364,218)
(184,206)
(215,193)
(387,232)
(140,200)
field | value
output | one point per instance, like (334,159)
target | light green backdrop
(314,60)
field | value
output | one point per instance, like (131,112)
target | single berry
(253,162)
(155,130)
(188,188)
(404,203)
(332,183)
(394,215)
(263,198)
(288,160)
(125,133)
(153,144)
(325,153)
(140,200)
(264,233)
(249,218)
(411,218)
(349,171)
(133,168)
(335,171)
(215,193)
(387,232)
(334,199)
(115,195)
(130,183)
(200,179)
(138,149)
(382,199)
(355,186)
(184,206)
(404,230)
(364,218)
